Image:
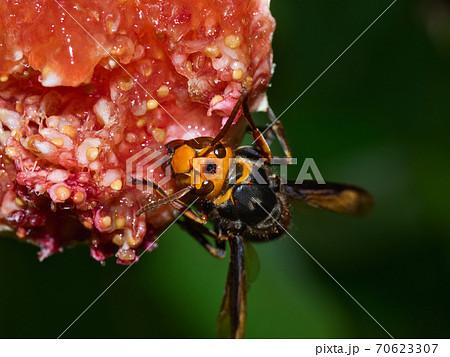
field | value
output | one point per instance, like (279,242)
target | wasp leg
(180,206)
(269,134)
(278,129)
(136,181)
(238,288)
(199,231)
(233,311)
(257,136)
(189,213)
(275,129)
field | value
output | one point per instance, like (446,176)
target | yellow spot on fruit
(247,82)
(237,74)
(163,91)
(152,104)
(32,143)
(88,223)
(105,222)
(232,41)
(4,78)
(62,193)
(126,83)
(117,240)
(92,153)
(216,99)
(141,122)
(78,197)
(11,152)
(19,107)
(58,142)
(21,233)
(212,51)
(117,185)
(68,130)
(96,15)
(19,202)
(16,134)
(159,134)
(133,242)
(120,222)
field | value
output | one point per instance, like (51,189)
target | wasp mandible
(245,201)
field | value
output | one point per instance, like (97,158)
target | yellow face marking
(218,184)
(225,197)
(200,174)
(246,170)
(182,159)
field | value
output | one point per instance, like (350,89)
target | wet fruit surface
(85,86)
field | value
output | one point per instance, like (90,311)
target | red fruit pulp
(85,85)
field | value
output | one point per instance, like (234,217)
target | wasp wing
(335,197)
(252,264)
(223,326)
(233,311)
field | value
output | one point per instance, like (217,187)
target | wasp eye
(220,151)
(200,143)
(183,180)
(206,188)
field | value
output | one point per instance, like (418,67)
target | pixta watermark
(147,167)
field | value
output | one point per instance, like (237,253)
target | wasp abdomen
(246,208)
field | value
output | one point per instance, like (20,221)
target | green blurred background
(377,118)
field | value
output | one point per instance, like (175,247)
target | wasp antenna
(226,127)
(143,182)
(163,201)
